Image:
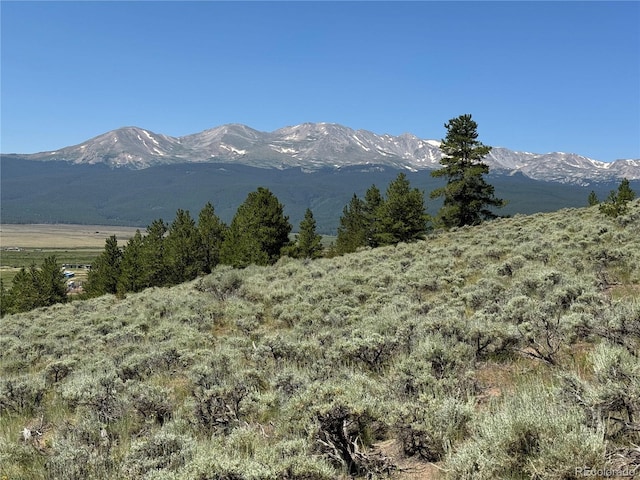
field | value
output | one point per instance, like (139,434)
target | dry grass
(21,245)
(61,236)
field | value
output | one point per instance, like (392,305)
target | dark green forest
(57,192)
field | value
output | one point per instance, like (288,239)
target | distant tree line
(180,251)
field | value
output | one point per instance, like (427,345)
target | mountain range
(315,146)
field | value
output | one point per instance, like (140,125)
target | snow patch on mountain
(233,150)
(311,146)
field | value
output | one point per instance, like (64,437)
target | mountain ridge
(311,146)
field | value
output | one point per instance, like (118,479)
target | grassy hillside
(508,350)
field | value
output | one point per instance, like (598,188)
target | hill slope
(504,350)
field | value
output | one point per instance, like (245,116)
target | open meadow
(24,244)
(507,350)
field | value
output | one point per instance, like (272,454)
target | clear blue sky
(537,76)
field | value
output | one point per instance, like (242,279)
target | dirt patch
(631,290)
(409,468)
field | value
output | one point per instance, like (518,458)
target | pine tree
(51,287)
(105,271)
(154,268)
(625,193)
(6,302)
(182,248)
(353,228)
(592,200)
(402,215)
(467,195)
(131,277)
(371,209)
(211,230)
(616,203)
(308,242)
(35,287)
(24,290)
(258,232)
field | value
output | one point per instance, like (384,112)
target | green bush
(161,451)
(100,392)
(21,395)
(528,434)
(430,426)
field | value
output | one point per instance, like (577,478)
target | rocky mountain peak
(320,145)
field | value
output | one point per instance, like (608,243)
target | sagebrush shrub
(100,392)
(22,395)
(528,434)
(430,426)
(161,451)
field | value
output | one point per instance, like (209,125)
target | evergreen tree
(372,203)
(467,195)
(402,215)
(182,249)
(35,287)
(132,267)
(211,231)
(51,286)
(105,271)
(154,269)
(353,228)
(24,290)
(258,232)
(616,203)
(625,193)
(5,300)
(593,199)
(308,242)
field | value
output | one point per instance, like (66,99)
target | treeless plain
(60,236)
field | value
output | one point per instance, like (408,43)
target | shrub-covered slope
(507,350)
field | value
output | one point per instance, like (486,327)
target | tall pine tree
(308,242)
(258,232)
(371,209)
(24,290)
(353,229)
(625,193)
(131,277)
(6,302)
(105,270)
(184,258)
(51,286)
(211,231)
(467,196)
(154,266)
(402,216)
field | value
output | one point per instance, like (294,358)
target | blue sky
(536,76)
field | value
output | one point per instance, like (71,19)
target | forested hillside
(56,192)
(504,350)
